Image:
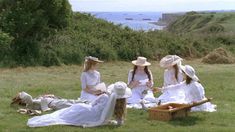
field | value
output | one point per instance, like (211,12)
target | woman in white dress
(90,77)
(172,75)
(193,90)
(97,113)
(140,80)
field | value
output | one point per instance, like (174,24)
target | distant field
(64,81)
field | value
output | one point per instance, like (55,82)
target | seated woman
(90,77)
(172,75)
(193,90)
(140,80)
(97,113)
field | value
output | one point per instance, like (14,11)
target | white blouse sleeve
(165,78)
(130,77)
(198,92)
(176,86)
(83,80)
(151,75)
(99,78)
(180,77)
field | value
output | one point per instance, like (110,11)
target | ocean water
(134,20)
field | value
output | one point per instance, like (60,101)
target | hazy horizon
(151,5)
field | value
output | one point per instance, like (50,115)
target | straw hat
(25,97)
(93,58)
(170,60)
(189,71)
(120,89)
(141,61)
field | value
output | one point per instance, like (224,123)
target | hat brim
(127,94)
(163,65)
(99,61)
(195,78)
(145,64)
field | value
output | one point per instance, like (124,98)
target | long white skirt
(76,115)
(172,96)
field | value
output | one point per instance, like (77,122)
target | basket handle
(199,102)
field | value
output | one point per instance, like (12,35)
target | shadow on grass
(187,121)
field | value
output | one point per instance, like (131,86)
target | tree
(30,21)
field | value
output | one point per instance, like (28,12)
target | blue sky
(151,5)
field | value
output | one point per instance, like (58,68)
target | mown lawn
(64,81)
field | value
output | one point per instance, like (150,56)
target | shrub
(219,56)
(5,41)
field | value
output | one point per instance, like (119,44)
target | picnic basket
(163,113)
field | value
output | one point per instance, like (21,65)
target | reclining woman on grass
(90,77)
(193,90)
(97,113)
(42,103)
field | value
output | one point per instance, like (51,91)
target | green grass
(64,81)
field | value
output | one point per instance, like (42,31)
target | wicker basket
(172,111)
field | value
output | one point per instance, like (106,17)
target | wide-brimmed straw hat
(141,61)
(93,59)
(25,97)
(189,71)
(120,89)
(170,60)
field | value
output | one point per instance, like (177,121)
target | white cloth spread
(86,115)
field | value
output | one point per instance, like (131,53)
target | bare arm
(89,90)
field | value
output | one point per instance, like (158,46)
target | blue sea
(134,20)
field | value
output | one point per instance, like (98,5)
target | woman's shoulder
(196,84)
(149,70)
(83,73)
(131,71)
(97,72)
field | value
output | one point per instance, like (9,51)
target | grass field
(64,81)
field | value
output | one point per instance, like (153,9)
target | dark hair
(145,70)
(120,109)
(188,79)
(176,71)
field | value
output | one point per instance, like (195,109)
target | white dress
(172,95)
(77,114)
(169,77)
(137,92)
(190,93)
(89,78)
(195,92)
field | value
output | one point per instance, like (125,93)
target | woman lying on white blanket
(43,102)
(193,90)
(97,113)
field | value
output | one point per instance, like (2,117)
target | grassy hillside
(49,33)
(64,81)
(204,22)
(207,31)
